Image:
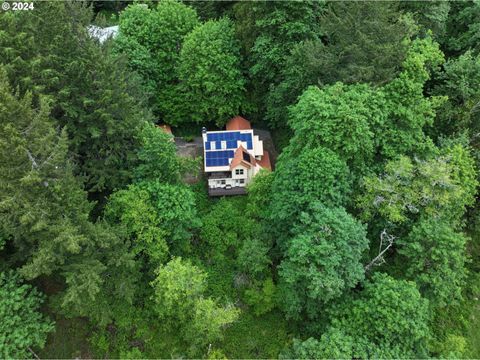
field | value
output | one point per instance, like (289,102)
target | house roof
(238,123)
(242,157)
(265,162)
(166,128)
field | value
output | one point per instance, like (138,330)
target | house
(102,34)
(167,130)
(232,157)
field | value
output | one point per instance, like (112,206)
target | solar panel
(230,135)
(232,144)
(218,158)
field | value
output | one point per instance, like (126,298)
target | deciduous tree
(435,257)
(316,174)
(151,40)
(23,326)
(321,261)
(389,319)
(212,87)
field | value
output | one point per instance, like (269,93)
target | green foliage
(388,320)
(262,297)
(314,175)
(211,84)
(178,285)
(339,118)
(354,54)
(209,322)
(352,90)
(22,326)
(155,213)
(435,258)
(259,194)
(253,257)
(322,260)
(350,51)
(222,232)
(157,157)
(460,81)
(407,110)
(179,288)
(44,210)
(68,340)
(256,337)
(269,30)
(463,27)
(333,345)
(428,187)
(151,40)
(134,210)
(431,16)
(361,123)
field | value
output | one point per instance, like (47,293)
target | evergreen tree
(45,212)
(50,52)
(350,50)
(269,30)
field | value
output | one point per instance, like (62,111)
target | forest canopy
(362,242)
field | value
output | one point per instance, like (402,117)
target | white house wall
(257,146)
(243,176)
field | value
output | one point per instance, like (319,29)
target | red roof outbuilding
(238,123)
(166,128)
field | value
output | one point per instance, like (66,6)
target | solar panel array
(231,139)
(220,147)
(218,158)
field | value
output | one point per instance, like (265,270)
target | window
(224,145)
(241,181)
(223,182)
(212,145)
(238,171)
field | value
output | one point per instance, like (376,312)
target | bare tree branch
(386,241)
(32,160)
(36,356)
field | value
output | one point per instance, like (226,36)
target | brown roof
(166,128)
(265,162)
(243,157)
(238,123)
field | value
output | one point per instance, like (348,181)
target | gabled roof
(238,123)
(265,161)
(242,157)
